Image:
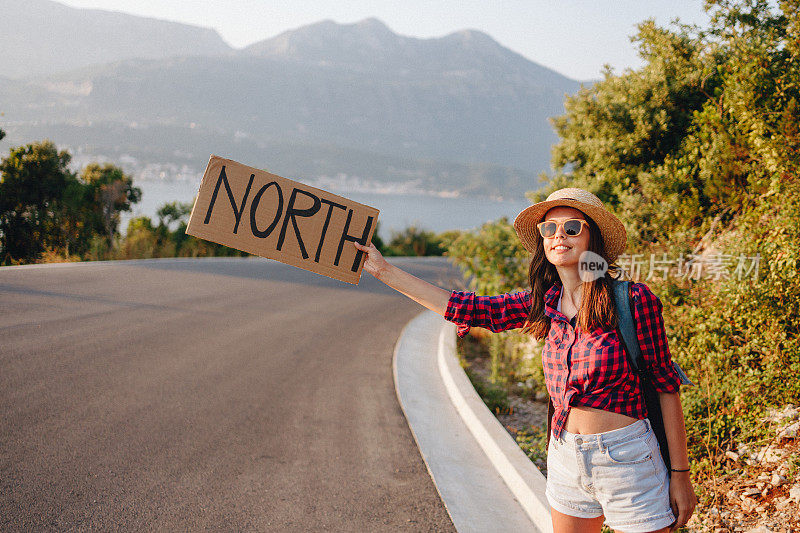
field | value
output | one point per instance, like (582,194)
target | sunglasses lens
(548,229)
(572,227)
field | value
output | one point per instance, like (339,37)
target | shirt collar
(551,301)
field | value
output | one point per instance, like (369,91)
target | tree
(33,182)
(620,137)
(173,212)
(113,192)
(679,146)
(169,214)
(141,240)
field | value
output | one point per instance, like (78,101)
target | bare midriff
(587,420)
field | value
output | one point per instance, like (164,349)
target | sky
(573,37)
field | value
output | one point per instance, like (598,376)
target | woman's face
(562,249)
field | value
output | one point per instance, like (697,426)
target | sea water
(397,211)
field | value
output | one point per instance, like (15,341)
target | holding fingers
(375,263)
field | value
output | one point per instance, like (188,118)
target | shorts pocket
(629,452)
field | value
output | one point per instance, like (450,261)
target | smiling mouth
(561,248)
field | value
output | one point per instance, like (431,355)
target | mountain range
(459,113)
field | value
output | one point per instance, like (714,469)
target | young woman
(603,459)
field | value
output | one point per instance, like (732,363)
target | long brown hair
(597,303)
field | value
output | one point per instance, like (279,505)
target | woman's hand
(375,263)
(682,498)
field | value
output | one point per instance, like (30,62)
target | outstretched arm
(431,296)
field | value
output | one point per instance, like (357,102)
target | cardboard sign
(267,215)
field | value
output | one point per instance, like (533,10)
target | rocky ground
(761,494)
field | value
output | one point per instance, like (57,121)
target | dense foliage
(697,152)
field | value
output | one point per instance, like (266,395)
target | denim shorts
(619,474)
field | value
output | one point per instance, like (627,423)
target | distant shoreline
(399,209)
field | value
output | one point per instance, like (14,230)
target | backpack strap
(627,328)
(630,343)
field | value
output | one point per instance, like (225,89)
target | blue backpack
(627,335)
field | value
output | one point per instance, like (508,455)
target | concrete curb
(485,480)
(520,474)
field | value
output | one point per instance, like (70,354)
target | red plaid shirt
(587,368)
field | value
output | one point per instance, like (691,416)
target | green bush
(491,257)
(516,361)
(494,396)
(533,441)
(141,240)
(414,241)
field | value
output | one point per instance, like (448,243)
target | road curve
(224,394)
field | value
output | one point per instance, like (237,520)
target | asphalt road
(222,394)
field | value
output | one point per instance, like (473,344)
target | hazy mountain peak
(373,24)
(472,35)
(327,40)
(475,42)
(41,36)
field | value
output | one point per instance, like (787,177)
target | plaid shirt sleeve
(653,338)
(496,313)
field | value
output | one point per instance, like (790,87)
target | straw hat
(612,230)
